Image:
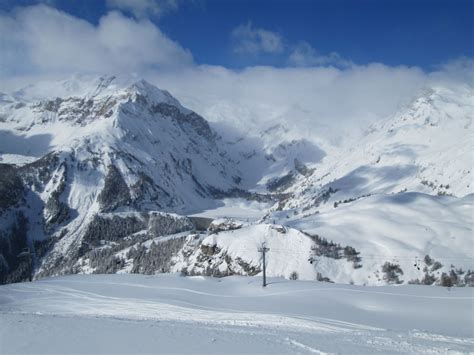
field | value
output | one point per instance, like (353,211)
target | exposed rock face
(145,192)
(224,224)
(37,174)
(202,258)
(11,187)
(281,183)
(191,121)
(115,192)
(56,211)
(201,223)
(302,168)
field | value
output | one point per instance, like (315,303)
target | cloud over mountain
(44,40)
(320,93)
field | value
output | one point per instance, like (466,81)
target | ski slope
(172,314)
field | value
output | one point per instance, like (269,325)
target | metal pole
(263,249)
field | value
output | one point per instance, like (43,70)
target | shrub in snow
(326,248)
(446,280)
(455,277)
(352,255)
(322,278)
(329,249)
(436,266)
(469,278)
(294,275)
(392,273)
(428,279)
(428,260)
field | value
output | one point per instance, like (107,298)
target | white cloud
(38,43)
(457,70)
(40,39)
(248,39)
(144,8)
(304,55)
(318,101)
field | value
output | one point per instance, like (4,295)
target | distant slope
(426,147)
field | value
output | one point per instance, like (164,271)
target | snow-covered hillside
(112,149)
(99,176)
(165,153)
(426,147)
(364,246)
(172,314)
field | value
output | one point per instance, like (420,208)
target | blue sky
(322,66)
(413,33)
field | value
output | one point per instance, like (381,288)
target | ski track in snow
(274,293)
(306,347)
(237,320)
(99,305)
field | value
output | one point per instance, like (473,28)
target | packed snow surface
(172,314)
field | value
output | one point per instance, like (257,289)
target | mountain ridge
(113,162)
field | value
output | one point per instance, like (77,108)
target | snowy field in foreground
(169,313)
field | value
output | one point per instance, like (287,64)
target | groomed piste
(172,314)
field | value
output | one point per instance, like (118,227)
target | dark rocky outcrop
(115,192)
(191,121)
(11,187)
(224,225)
(302,168)
(281,183)
(13,240)
(55,210)
(38,173)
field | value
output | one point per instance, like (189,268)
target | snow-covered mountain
(121,149)
(426,147)
(101,176)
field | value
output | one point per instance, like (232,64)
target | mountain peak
(88,86)
(152,94)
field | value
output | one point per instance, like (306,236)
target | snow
(16,159)
(238,208)
(426,147)
(399,228)
(289,251)
(402,191)
(168,313)
(385,185)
